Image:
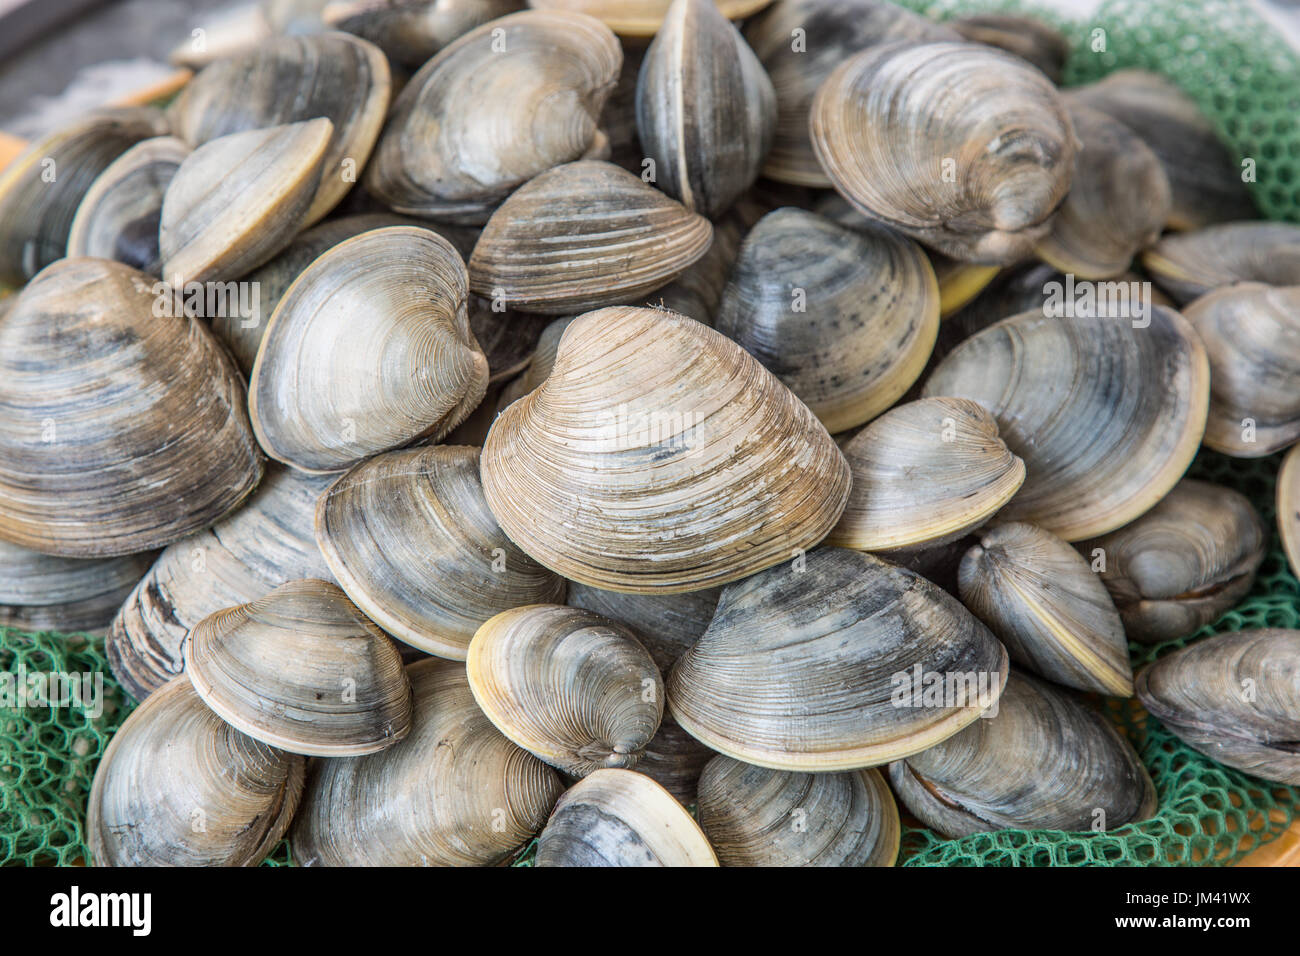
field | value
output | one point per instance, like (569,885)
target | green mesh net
(1247,81)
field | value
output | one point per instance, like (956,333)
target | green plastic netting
(1247,80)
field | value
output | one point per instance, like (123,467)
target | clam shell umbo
(1188,265)
(41,592)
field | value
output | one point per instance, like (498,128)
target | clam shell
(759,817)
(1185,562)
(410,537)
(845,319)
(124,431)
(1106,416)
(540,363)
(1042,600)
(411,31)
(119,215)
(674,760)
(1044,761)
(925,473)
(805,668)
(461,794)
(581,236)
(1288,507)
(40,592)
(1188,265)
(621,818)
(571,687)
(697,292)
(178,786)
(1235,698)
(665,624)
(641,18)
(369,349)
(651,421)
(304,670)
(1027,37)
(964,147)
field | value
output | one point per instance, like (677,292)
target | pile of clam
(642,432)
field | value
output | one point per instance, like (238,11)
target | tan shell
(410,537)
(1106,416)
(469,797)
(1053,614)
(581,236)
(411,31)
(665,624)
(178,786)
(40,592)
(621,818)
(1188,265)
(304,670)
(759,817)
(641,18)
(652,451)
(845,319)
(369,349)
(886,119)
(924,474)
(503,103)
(122,398)
(571,687)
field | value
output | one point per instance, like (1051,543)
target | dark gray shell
(667,624)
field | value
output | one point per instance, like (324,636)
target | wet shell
(368,350)
(650,421)
(1233,697)
(506,101)
(641,18)
(845,319)
(925,473)
(1252,336)
(621,818)
(119,215)
(705,109)
(1106,416)
(1183,563)
(41,190)
(238,200)
(1042,600)
(571,687)
(964,147)
(410,536)
(411,31)
(665,624)
(581,236)
(252,551)
(304,670)
(1188,265)
(1028,38)
(124,431)
(178,786)
(1042,761)
(40,592)
(759,817)
(674,760)
(802,666)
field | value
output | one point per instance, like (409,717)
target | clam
(41,592)
(304,670)
(288,80)
(178,786)
(409,536)
(540,363)
(572,688)
(411,31)
(697,292)
(1117,204)
(674,760)
(1188,265)
(369,349)
(964,147)
(1044,761)
(659,456)
(618,817)
(1251,333)
(845,319)
(119,215)
(1027,37)
(705,109)
(1106,416)
(124,431)
(1233,697)
(924,474)
(1288,507)
(1185,562)
(507,338)
(506,101)
(1205,182)
(454,792)
(41,190)
(759,817)
(259,547)
(1053,614)
(237,200)
(836,662)
(799,43)
(581,236)
(665,624)
(641,18)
